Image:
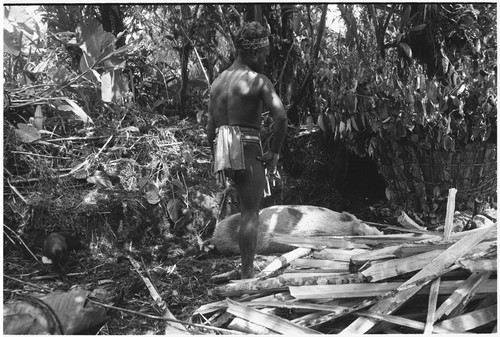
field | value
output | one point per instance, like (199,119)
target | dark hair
(249,31)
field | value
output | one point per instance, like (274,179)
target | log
(279,284)
(271,322)
(443,261)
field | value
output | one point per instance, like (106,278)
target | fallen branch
(173,320)
(157,298)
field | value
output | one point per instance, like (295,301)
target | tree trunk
(185,51)
(112,21)
(293,111)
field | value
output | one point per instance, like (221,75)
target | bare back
(236,97)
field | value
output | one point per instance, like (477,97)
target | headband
(255,43)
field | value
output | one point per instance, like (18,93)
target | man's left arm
(211,126)
(273,102)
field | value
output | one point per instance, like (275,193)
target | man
(237,97)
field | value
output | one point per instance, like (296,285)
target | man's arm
(273,102)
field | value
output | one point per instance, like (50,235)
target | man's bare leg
(250,186)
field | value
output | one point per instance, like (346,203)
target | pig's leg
(250,186)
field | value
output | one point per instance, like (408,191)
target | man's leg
(250,186)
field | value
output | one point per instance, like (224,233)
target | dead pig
(289,219)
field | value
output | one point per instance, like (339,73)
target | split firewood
(471,320)
(282,261)
(444,260)
(316,242)
(340,267)
(374,255)
(390,268)
(431,307)
(459,297)
(407,222)
(344,255)
(272,322)
(210,307)
(245,326)
(480,265)
(450,211)
(409,249)
(401,321)
(232,274)
(341,290)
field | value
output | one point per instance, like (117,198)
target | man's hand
(270,158)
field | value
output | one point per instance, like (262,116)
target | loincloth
(229,153)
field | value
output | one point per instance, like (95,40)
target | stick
(22,242)
(27,283)
(165,318)
(157,297)
(450,210)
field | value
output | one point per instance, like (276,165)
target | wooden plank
(471,285)
(386,269)
(338,254)
(326,264)
(470,320)
(441,262)
(268,321)
(374,255)
(431,307)
(282,261)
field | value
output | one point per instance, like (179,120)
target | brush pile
(417,281)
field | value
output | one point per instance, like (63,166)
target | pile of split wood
(414,282)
